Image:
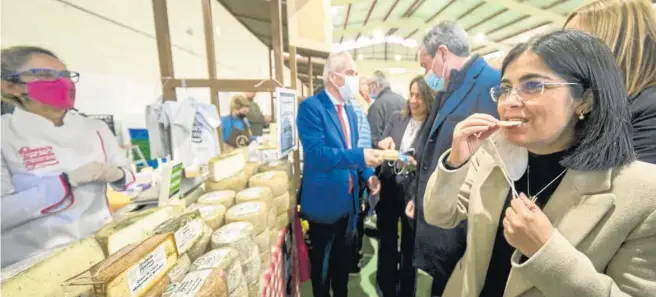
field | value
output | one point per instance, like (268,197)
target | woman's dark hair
(426,93)
(603,139)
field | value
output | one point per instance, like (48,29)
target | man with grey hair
(462,82)
(385,103)
(327,128)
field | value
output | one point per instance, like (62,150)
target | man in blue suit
(333,165)
(463,84)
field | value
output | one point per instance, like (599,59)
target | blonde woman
(628,27)
(236,124)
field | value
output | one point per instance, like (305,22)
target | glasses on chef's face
(43,74)
(526,90)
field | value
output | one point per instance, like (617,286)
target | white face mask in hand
(512,159)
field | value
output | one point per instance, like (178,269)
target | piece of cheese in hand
(506,124)
(43,274)
(187,229)
(178,272)
(226,259)
(236,235)
(203,283)
(251,212)
(277,181)
(225,198)
(226,166)
(391,155)
(135,269)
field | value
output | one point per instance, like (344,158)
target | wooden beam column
(163,36)
(296,155)
(311,76)
(276,44)
(210,52)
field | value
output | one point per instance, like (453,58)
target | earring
(581,116)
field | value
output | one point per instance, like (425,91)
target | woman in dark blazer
(396,275)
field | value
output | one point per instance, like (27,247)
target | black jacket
(381,110)
(643,121)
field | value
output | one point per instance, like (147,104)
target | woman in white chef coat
(55,164)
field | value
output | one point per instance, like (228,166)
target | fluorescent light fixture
(379,33)
(397,57)
(480,37)
(397,70)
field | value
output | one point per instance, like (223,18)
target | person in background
(588,228)
(396,276)
(385,103)
(236,124)
(634,47)
(328,130)
(55,164)
(363,95)
(462,83)
(255,117)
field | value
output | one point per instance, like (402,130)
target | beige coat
(604,241)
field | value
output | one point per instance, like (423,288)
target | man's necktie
(340,111)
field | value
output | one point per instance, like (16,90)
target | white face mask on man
(350,88)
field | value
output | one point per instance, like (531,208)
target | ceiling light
(480,37)
(397,57)
(360,57)
(379,33)
(397,70)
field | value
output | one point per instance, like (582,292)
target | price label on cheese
(212,259)
(248,207)
(184,238)
(267,176)
(146,270)
(207,210)
(191,284)
(232,231)
(252,192)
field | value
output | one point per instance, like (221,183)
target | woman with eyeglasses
(634,47)
(557,205)
(396,275)
(55,164)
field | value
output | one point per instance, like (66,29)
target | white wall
(112,44)
(399,81)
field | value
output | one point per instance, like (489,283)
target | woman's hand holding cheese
(95,172)
(468,136)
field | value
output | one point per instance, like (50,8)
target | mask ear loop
(501,166)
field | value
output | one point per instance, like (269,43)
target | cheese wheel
(202,245)
(241,291)
(277,181)
(252,266)
(236,235)
(159,288)
(225,198)
(263,239)
(280,165)
(226,259)
(235,183)
(271,217)
(265,257)
(282,221)
(252,168)
(251,212)
(255,289)
(262,194)
(281,203)
(186,228)
(203,283)
(274,236)
(226,166)
(178,272)
(212,215)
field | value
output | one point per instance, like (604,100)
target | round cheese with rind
(201,246)
(235,183)
(280,165)
(263,240)
(212,215)
(223,258)
(271,218)
(255,289)
(241,291)
(277,181)
(265,257)
(252,266)
(237,235)
(252,212)
(252,168)
(281,203)
(262,194)
(225,198)
(178,272)
(282,221)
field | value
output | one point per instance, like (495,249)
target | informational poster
(286,108)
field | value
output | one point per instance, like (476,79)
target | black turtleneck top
(543,170)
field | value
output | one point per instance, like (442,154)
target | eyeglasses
(526,90)
(43,74)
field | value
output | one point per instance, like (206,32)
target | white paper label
(206,211)
(216,195)
(191,284)
(232,231)
(252,192)
(143,273)
(212,259)
(248,207)
(267,176)
(184,237)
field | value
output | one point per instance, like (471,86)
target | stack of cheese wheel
(280,165)
(178,272)
(261,194)
(200,247)
(278,182)
(240,235)
(227,172)
(252,168)
(212,215)
(256,213)
(201,283)
(225,198)
(188,230)
(226,258)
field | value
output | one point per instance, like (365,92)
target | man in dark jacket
(463,84)
(385,103)
(255,117)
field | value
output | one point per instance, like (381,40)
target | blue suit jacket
(437,250)
(328,162)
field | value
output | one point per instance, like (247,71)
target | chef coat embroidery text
(38,157)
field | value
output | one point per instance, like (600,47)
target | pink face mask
(59,93)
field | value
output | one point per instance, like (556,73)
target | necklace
(528,184)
